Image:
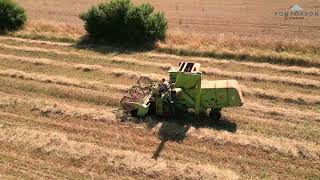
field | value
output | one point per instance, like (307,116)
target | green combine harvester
(185,91)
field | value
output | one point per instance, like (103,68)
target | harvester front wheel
(215,114)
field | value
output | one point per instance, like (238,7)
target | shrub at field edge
(119,21)
(12,16)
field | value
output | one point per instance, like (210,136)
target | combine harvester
(185,91)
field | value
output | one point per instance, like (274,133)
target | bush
(121,21)
(12,16)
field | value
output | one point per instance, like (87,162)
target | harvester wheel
(168,110)
(215,114)
(125,103)
(134,112)
(145,83)
(136,92)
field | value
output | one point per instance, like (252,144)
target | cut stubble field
(59,99)
(57,109)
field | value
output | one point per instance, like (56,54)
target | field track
(59,119)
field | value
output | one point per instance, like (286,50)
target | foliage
(121,21)
(12,16)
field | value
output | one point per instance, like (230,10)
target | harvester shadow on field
(176,129)
(107,48)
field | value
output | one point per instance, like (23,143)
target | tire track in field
(300,82)
(283,146)
(96,95)
(133,162)
(36,49)
(86,67)
(250,106)
(293,69)
(270,94)
(256,77)
(35,41)
(281,68)
(84,84)
(210,153)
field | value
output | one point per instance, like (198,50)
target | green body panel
(220,98)
(142,109)
(202,95)
(159,104)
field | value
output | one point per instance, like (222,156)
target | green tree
(121,21)
(12,16)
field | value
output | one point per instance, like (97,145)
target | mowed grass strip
(92,154)
(108,61)
(19,165)
(98,85)
(253,55)
(32,41)
(282,68)
(267,94)
(122,72)
(293,69)
(35,89)
(257,56)
(240,75)
(269,126)
(206,150)
(102,98)
(287,147)
(131,60)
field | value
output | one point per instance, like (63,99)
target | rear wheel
(134,113)
(215,114)
(168,110)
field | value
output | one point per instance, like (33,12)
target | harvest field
(58,103)
(254,18)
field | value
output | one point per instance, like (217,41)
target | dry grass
(287,97)
(95,85)
(51,30)
(300,82)
(58,145)
(292,69)
(290,51)
(54,108)
(298,115)
(68,122)
(164,66)
(207,42)
(47,79)
(268,94)
(35,41)
(239,75)
(35,49)
(281,145)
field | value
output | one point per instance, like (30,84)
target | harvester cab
(184,91)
